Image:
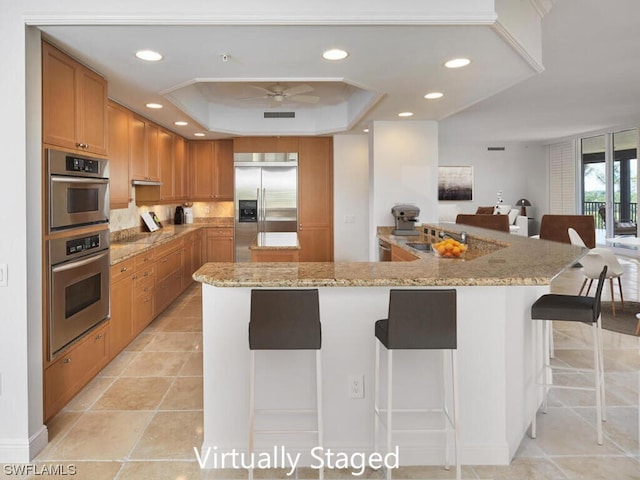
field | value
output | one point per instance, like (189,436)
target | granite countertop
(493,259)
(133,245)
(276,241)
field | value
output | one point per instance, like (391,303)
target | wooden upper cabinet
(152,133)
(119,184)
(265,144)
(224,170)
(315,199)
(74,103)
(137,148)
(201,158)
(211,170)
(179,168)
(165,160)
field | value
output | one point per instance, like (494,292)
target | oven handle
(79,263)
(56,178)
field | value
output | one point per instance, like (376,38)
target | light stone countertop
(493,259)
(276,241)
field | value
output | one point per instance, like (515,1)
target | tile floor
(140,418)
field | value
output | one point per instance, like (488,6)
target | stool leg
(376,401)
(546,363)
(613,303)
(582,287)
(552,346)
(601,357)
(445,403)
(596,371)
(534,361)
(456,417)
(319,407)
(621,296)
(389,403)
(252,366)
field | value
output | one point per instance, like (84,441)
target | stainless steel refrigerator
(266,197)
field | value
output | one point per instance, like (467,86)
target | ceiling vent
(279,114)
(495,149)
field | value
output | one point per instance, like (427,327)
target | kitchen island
(497,281)
(275,247)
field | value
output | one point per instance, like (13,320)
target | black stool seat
(285,320)
(569,308)
(419,319)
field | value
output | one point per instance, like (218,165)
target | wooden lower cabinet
(400,255)
(122,279)
(74,368)
(275,255)
(220,246)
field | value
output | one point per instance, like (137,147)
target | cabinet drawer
(73,369)
(220,232)
(145,272)
(168,264)
(145,258)
(142,285)
(167,248)
(122,269)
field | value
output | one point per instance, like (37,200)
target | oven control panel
(83,244)
(85,165)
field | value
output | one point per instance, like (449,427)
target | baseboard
(23,451)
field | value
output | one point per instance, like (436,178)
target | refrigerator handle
(264,209)
(258,210)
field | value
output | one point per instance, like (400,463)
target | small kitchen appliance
(178,218)
(188,214)
(406,216)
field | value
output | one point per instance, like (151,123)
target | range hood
(146,183)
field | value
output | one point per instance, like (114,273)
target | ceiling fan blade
(297,90)
(262,89)
(304,98)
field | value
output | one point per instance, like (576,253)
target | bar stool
(284,320)
(572,308)
(418,320)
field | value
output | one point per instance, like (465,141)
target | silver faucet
(462,238)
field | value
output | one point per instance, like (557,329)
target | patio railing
(591,208)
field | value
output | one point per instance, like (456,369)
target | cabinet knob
(123,269)
(99,336)
(82,145)
(66,360)
(134,276)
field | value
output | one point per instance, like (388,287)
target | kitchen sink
(423,247)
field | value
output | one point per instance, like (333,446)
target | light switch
(4,281)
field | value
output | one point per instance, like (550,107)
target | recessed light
(153,105)
(149,55)
(335,54)
(433,95)
(405,114)
(198,134)
(180,123)
(457,63)
(366,130)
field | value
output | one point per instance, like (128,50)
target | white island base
(494,364)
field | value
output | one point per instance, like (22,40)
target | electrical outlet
(356,385)
(207,210)
(4,280)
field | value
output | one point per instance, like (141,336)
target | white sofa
(518,224)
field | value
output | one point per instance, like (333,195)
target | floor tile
(622,427)
(175,342)
(132,393)
(140,342)
(182,324)
(534,468)
(147,364)
(165,470)
(171,435)
(184,394)
(102,436)
(599,467)
(193,366)
(89,394)
(118,364)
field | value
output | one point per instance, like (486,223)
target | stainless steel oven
(79,286)
(78,190)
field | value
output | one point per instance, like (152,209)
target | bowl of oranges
(449,248)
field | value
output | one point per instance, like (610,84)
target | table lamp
(523,202)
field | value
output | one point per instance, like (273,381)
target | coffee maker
(405,216)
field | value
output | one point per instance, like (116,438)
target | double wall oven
(77,246)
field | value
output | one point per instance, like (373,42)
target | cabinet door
(219,245)
(179,169)
(119,186)
(165,159)
(315,199)
(59,86)
(287,144)
(152,132)
(121,323)
(201,165)
(138,149)
(92,112)
(224,170)
(255,144)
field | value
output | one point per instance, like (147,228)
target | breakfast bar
(497,280)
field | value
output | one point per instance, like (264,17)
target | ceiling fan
(279,93)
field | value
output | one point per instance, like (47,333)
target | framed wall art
(455,183)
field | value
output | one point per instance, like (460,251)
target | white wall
(519,171)
(403,168)
(351,198)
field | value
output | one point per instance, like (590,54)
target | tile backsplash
(126,218)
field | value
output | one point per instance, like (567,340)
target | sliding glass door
(609,182)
